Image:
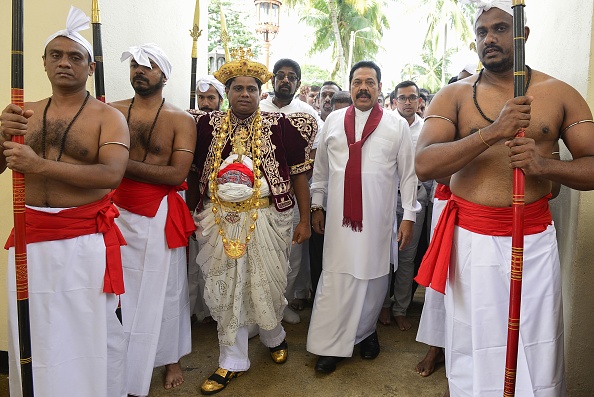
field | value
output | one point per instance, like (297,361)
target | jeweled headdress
(241,65)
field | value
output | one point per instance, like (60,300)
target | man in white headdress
(75,153)
(469,133)
(209,93)
(155,222)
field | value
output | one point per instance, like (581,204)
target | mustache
(492,47)
(363,93)
(139,78)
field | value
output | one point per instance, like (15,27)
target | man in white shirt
(362,155)
(286,81)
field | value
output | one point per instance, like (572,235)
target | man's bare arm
(176,172)
(105,174)
(301,188)
(440,155)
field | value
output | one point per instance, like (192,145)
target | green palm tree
(431,72)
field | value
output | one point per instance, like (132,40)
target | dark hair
(453,79)
(329,82)
(341,97)
(366,64)
(287,62)
(406,83)
(315,88)
(423,96)
(230,81)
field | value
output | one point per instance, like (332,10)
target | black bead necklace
(148,143)
(479,79)
(44,130)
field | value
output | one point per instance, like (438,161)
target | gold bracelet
(315,208)
(483,139)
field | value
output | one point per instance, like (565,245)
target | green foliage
(240,25)
(428,74)
(314,75)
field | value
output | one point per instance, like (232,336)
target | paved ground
(390,374)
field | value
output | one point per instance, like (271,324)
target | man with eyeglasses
(407,100)
(286,81)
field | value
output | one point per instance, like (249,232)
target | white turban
(486,5)
(203,83)
(146,52)
(76,21)
(471,68)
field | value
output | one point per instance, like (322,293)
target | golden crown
(240,65)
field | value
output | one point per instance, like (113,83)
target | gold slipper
(218,381)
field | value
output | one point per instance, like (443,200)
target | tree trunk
(341,61)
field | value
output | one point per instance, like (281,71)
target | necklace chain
(234,248)
(44,126)
(474,92)
(148,142)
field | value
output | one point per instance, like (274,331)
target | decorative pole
(225,38)
(517,260)
(98,50)
(18,204)
(195,32)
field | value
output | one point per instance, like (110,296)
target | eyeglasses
(291,77)
(403,99)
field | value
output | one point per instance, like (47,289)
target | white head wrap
(471,68)
(486,5)
(144,53)
(203,82)
(76,21)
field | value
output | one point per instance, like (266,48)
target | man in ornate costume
(75,152)
(156,223)
(469,133)
(364,152)
(249,168)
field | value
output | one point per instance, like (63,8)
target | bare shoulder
(122,105)
(105,112)
(176,113)
(37,107)
(447,101)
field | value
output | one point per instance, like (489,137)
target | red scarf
(145,198)
(96,217)
(490,221)
(353,188)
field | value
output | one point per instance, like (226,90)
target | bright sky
(401,43)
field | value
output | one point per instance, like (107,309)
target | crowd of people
(143,218)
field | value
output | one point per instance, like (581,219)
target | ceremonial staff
(98,51)
(18,201)
(517,259)
(195,32)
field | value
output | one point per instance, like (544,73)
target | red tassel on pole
(517,259)
(18,199)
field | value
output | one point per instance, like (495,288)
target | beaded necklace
(44,128)
(148,142)
(235,248)
(479,79)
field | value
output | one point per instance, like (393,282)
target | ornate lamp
(267,22)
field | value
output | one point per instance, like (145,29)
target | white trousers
(477,303)
(345,312)
(235,357)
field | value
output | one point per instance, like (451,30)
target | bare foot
(403,323)
(173,376)
(433,357)
(385,316)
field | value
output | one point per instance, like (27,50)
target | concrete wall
(124,24)
(555,47)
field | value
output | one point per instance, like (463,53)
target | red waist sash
(491,221)
(96,217)
(442,192)
(145,198)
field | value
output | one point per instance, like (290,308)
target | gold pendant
(234,249)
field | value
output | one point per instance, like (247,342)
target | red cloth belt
(96,217)
(442,192)
(145,198)
(491,221)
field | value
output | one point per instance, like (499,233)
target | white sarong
(156,306)
(77,342)
(477,303)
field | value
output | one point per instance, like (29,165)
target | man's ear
(526,32)
(92,67)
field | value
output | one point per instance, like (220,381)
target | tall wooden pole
(98,52)
(18,200)
(195,32)
(517,259)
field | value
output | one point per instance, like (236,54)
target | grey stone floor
(390,374)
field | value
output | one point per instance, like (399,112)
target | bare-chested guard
(469,133)
(156,223)
(75,153)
